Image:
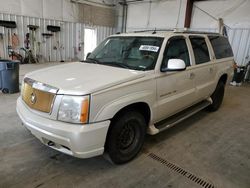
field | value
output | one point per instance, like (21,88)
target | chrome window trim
(41,86)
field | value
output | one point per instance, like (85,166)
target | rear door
(203,70)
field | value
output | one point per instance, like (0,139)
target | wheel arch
(141,107)
(223,78)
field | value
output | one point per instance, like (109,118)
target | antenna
(154,31)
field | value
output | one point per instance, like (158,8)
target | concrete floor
(213,146)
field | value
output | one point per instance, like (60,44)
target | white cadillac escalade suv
(130,85)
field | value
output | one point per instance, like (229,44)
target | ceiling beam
(188,15)
(189,9)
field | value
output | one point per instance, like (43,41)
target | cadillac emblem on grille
(38,96)
(33,98)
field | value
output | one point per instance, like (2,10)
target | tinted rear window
(200,49)
(221,46)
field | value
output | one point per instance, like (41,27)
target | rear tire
(125,137)
(217,97)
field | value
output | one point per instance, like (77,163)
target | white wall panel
(53,9)
(103,32)
(240,41)
(70,11)
(137,16)
(64,10)
(156,14)
(166,14)
(10,6)
(32,7)
(235,13)
(171,14)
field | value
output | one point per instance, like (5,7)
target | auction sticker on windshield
(149,48)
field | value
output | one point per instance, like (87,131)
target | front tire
(217,97)
(126,137)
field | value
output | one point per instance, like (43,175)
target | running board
(177,118)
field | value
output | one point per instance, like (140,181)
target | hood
(83,78)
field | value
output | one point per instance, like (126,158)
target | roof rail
(154,30)
(185,30)
(200,32)
(176,30)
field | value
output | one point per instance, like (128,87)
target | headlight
(74,109)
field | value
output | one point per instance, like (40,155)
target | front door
(175,90)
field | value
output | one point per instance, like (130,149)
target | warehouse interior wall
(106,17)
(67,45)
(73,18)
(169,14)
(156,14)
(235,13)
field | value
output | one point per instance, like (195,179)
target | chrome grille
(38,96)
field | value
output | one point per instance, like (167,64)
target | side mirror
(174,65)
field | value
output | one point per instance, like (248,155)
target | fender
(224,68)
(109,110)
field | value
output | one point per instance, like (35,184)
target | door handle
(211,70)
(192,75)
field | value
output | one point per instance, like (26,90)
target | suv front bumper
(82,141)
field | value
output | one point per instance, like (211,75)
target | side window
(176,49)
(221,46)
(200,49)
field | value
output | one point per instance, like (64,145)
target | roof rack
(176,30)
(196,32)
(154,30)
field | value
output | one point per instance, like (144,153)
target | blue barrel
(9,76)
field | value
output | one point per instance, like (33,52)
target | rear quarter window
(221,47)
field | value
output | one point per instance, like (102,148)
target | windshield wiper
(122,65)
(92,60)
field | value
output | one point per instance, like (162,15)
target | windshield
(138,53)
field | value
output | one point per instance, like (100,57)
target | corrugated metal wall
(69,38)
(240,42)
